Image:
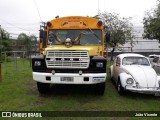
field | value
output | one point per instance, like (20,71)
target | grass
(18,92)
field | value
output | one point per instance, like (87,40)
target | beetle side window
(151,57)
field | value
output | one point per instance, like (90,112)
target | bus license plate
(68,79)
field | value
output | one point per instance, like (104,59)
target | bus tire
(100,88)
(43,87)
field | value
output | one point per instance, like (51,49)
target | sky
(17,16)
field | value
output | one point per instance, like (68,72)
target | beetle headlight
(37,63)
(99,64)
(129,81)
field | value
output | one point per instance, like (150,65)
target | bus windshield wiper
(94,33)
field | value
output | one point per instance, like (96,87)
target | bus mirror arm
(41,33)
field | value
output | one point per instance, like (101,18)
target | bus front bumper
(69,78)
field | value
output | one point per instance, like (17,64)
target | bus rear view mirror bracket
(41,33)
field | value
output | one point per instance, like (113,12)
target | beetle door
(116,68)
(156,65)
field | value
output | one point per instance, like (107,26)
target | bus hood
(93,50)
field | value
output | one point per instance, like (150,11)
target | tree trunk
(112,53)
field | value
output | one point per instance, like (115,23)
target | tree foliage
(5,40)
(26,41)
(23,39)
(120,29)
(4,35)
(151,23)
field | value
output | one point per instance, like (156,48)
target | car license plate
(157,94)
(68,79)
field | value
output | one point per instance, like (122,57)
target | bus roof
(75,22)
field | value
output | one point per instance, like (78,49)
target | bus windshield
(82,37)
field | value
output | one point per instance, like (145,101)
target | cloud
(23,13)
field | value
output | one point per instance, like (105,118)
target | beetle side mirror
(117,63)
(107,37)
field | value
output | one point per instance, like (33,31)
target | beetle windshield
(135,61)
(83,37)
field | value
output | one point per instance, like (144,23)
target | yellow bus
(71,52)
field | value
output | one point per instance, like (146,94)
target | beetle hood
(144,75)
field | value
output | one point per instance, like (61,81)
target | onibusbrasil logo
(21,114)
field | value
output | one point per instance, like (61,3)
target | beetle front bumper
(147,90)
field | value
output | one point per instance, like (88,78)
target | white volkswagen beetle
(133,72)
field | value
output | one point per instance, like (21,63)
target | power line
(38,10)
(13,25)
(13,34)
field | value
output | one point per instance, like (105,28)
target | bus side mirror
(107,37)
(41,33)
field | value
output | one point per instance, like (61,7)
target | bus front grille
(67,59)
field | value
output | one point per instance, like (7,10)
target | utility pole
(98,8)
(0,54)
(0,29)
(0,44)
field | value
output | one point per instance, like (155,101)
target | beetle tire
(111,78)
(120,89)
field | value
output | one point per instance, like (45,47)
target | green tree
(4,34)
(5,41)
(33,39)
(120,30)
(24,40)
(151,23)
(27,41)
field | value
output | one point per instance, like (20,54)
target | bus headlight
(99,64)
(37,63)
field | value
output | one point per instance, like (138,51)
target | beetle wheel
(111,78)
(120,89)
